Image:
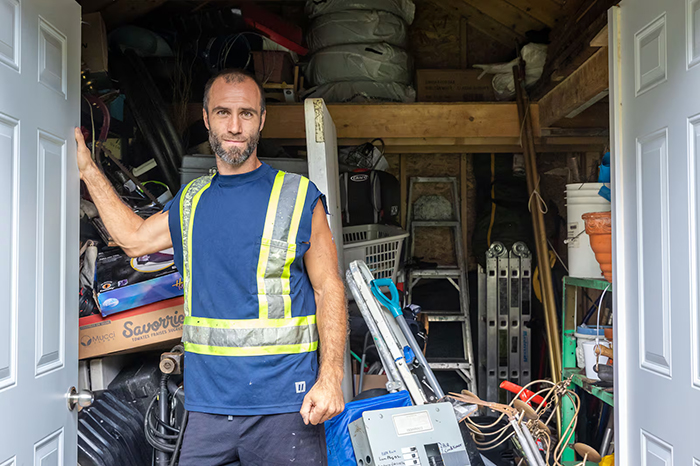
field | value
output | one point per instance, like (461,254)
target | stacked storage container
(358,50)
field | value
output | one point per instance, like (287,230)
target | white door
(322,153)
(39,106)
(655,102)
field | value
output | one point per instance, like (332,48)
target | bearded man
(262,291)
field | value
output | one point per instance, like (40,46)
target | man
(262,291)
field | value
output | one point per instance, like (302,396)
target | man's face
(234,120)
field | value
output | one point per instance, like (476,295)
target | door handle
(82,398)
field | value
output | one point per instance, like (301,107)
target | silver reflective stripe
(250,337)
(279,246)
(273,272)
(285,207)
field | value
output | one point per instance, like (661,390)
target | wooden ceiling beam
(511,17)
(601,39)
(416,121)
(481,22)
(571,39)
(583,88)
(580,144)
(545,11)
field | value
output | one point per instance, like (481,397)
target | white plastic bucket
(582,198)
(585,333)
(590,357)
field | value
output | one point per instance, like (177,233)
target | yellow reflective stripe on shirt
(292,239)
(186,252)
(275,331)
(265,243)
(298,210)
(251,351)
(188,284)
(250,323)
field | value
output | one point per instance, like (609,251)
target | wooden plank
(512,149)
(579,89)
(508,15)
(418,145)
(482,22)
(597,116)
(601,39)
(592,160)
(417,121)
(548,13)
(570,41)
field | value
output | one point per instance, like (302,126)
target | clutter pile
(445,429)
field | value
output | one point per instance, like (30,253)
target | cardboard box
(94,43)
(371,381)
(273,66)
(139,329)
(123,283)
(453,86)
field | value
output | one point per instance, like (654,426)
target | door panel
(50,349)
(9,162)
(322,146)
(39,106)
(655,111)
(653,234)
(9,33)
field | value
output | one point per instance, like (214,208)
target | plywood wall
(437,245)
(437,38)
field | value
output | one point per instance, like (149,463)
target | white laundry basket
(379,246)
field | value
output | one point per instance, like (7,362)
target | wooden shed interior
(480,138)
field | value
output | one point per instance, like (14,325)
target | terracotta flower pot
(599,230)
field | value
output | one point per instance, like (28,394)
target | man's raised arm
(133,234)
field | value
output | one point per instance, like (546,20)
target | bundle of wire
(165,442)
(520,415)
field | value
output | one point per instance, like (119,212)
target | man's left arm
(325,399)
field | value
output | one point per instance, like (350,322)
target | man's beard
(235,155)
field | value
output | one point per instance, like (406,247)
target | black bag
(369,197)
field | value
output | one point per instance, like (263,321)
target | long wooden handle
(604,351)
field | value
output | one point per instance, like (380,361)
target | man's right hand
(85,162)
(135,235)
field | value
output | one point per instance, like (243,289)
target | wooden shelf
(587,384)
(596,284)
(424,127)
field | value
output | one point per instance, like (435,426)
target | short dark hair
(232,75)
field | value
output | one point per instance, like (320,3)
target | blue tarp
(338,443)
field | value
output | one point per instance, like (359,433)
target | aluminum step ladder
(463,361)
(406,367)
(504,320)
